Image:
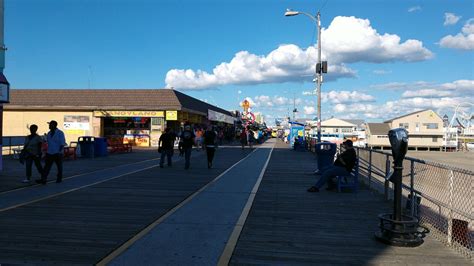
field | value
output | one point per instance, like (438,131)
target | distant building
(425,131)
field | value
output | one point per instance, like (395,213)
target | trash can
(100,146)
(86,144)
(325,152)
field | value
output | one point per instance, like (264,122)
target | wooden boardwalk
(289,226)
(82,227)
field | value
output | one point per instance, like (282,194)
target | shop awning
(219,117)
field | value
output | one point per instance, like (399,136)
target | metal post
(450,215)
(412,188)
(2,66)
(319,76)
(387,182)
(369,168)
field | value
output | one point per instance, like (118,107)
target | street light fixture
(320,68)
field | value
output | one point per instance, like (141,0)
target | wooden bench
(351,180)
(116,146)
(70,151)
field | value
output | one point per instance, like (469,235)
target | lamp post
(319,67)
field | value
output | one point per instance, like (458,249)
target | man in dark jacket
(342,166)
(166,144)
(210,144)
(187,138)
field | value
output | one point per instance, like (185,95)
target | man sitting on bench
(342,166)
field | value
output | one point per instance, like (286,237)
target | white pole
(319,76)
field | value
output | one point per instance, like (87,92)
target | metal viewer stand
(397,229)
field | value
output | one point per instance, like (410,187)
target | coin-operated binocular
(397,229)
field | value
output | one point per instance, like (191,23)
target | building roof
(378,128)
(357,122)
(335,122)
(388,121)
(122,99)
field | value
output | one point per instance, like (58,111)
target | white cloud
(426,93)
(401,85)
(462,86)
(306,93)
(336,97)
(414,8)
(463,40)
(450,19)
(309,110)
(381,72)
(273,101)
(346,40)
(351,39)
(440,97)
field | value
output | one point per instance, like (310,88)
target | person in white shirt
(56,142)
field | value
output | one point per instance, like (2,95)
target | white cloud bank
(450,19)
(346,40)
(442,98)
(414,8)
(463,40)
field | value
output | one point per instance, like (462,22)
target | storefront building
(132,116)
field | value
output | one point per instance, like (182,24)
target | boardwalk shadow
(289,226)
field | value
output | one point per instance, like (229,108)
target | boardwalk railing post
(412,189)
(387,173)
(369,168)
(450,215)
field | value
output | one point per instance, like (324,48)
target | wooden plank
(84,226)
(288,225)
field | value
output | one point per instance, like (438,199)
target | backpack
(187,135)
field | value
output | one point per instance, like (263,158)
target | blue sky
(386,58)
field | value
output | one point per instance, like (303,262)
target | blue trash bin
(86,145)
(100,146)
(325,152)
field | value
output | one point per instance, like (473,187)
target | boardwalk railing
(443,195)
(11,142)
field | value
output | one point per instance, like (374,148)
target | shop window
(403,125)
(431,125)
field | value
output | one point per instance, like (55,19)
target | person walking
(56,143)
(166,146)
(187,137)
(210,143)
(32,151)
(198,135)
(243,138)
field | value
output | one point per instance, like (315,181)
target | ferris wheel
(463,116)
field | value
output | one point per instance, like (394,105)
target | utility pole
(319,76)
(321,67)
(4,85)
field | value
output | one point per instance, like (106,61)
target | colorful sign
(171,115)
(76,122)
(129,113)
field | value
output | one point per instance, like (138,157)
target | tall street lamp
(320,68)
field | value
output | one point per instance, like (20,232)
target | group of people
(32,152)
(187,139)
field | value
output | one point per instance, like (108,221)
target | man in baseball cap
(56,142)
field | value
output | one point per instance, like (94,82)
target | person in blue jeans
(56,142)
(187,138)
(166,143)
(342,166)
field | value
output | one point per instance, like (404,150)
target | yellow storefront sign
(75,132)
(171,115)
(116,113)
